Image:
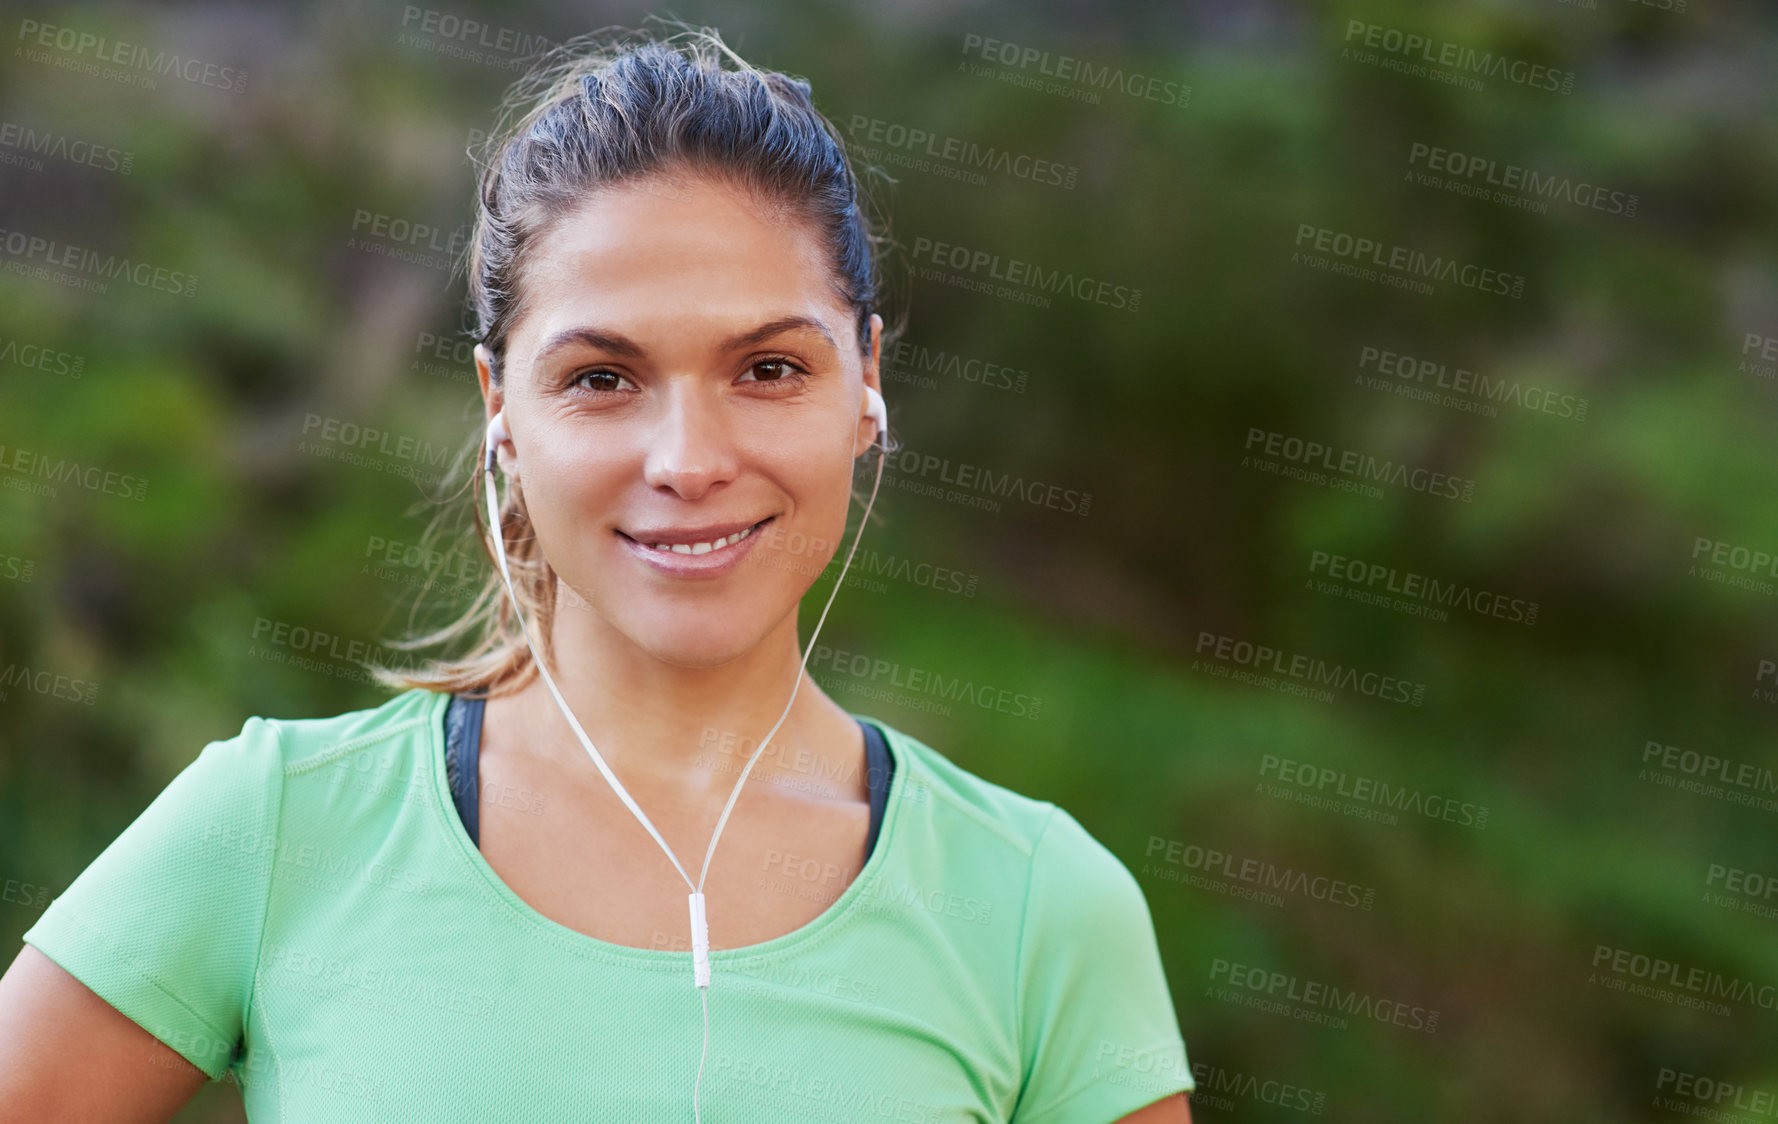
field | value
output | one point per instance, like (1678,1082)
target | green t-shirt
(301,910)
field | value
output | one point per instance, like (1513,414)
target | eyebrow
(619,344)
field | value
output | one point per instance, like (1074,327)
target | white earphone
(497,435)
(876,409)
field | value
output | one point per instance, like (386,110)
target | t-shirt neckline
(844,909)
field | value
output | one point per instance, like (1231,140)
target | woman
(453,905)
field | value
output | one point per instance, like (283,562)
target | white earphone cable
(699,925)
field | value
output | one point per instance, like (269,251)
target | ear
(484,373)
(867,435)
(494,401)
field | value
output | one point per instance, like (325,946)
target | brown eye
(784,371)
(599,382)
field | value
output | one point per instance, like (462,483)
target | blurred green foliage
(1103,616)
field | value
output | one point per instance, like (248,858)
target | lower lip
(706,565)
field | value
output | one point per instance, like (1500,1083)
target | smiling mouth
(704,547)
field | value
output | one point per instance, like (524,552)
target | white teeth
(703,547)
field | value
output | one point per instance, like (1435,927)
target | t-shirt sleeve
(1100,1038)
(165,923)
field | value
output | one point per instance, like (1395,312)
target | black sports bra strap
(463,742)
(880,766)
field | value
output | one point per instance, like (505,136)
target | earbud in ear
(496,434)
(876,408)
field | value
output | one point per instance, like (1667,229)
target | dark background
(1514,746)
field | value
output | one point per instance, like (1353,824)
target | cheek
(827,509)
(822,483)
(570,492)
(817,490)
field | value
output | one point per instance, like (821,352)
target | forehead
(674,258)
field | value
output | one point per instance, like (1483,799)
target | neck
(683,734)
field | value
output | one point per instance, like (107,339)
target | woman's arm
(1168,1110)
(66,1055)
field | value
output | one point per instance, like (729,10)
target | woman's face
(681,371)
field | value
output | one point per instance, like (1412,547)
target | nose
(690,447)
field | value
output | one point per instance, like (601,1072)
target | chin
(691,637)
